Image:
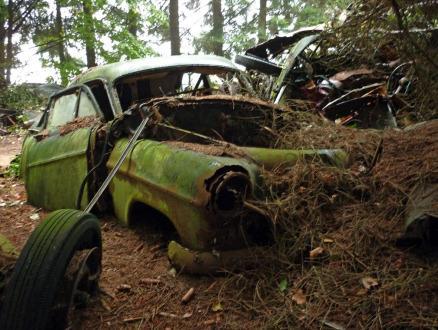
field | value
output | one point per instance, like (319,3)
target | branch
(405,30)
(22,18)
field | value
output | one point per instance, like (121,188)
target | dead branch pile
(335,262)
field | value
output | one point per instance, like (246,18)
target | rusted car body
(197,164)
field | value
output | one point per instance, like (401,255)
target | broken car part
(300,65)
(421,219)
(197,262)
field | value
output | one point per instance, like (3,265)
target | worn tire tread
(41,266)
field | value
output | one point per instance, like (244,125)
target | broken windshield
(179,83)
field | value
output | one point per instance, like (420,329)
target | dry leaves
(188,296)
(369,282)
(316,252)
(299,297)
(217,307)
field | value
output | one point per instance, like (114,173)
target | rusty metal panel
(196,191)
(54,168)
(174,182)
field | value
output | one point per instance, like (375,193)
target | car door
(55,156)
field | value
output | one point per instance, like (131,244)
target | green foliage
(282,286)
(285,15)
(20,97)
(240,21)
(126,46)
(67,69)
(206,41)
(157,21)
(119,27)
(240,28)
(13,169)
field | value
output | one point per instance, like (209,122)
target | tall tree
(89,33)
(217,33)
(175,41)
(14,18)
(9,45)
(59,30)
(3,16)
(261,33)
(233,28)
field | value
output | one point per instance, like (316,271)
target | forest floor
(359,278)
(140,288)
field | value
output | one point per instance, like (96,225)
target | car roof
(111,72)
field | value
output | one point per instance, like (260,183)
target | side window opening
(86,106)
(125,95)
(100,94)
(71,104)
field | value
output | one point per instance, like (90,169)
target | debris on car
(184,140)
(196,164)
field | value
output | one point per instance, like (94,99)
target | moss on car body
(197,164)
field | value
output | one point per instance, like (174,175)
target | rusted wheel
(57,271)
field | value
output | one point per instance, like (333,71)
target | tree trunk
(89,37)
(10,34)
(175,42)
(61,49)
(287,11)
(133,18)
(218,28)
(262,21)
(2,43)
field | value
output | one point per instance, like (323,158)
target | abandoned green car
(196,165)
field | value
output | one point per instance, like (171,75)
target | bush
(20,98)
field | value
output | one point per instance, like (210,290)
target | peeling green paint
(172,181)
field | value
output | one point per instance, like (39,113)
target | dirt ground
(10,146)
(140,290)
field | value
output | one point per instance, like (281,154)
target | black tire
(259,64)
(40,268)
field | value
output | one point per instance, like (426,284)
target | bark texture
(175,41)
(218,28)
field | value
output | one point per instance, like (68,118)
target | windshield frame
(202,69)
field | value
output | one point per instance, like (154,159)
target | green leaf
(217,307)
(282,286)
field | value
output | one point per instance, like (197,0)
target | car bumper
(206,262)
